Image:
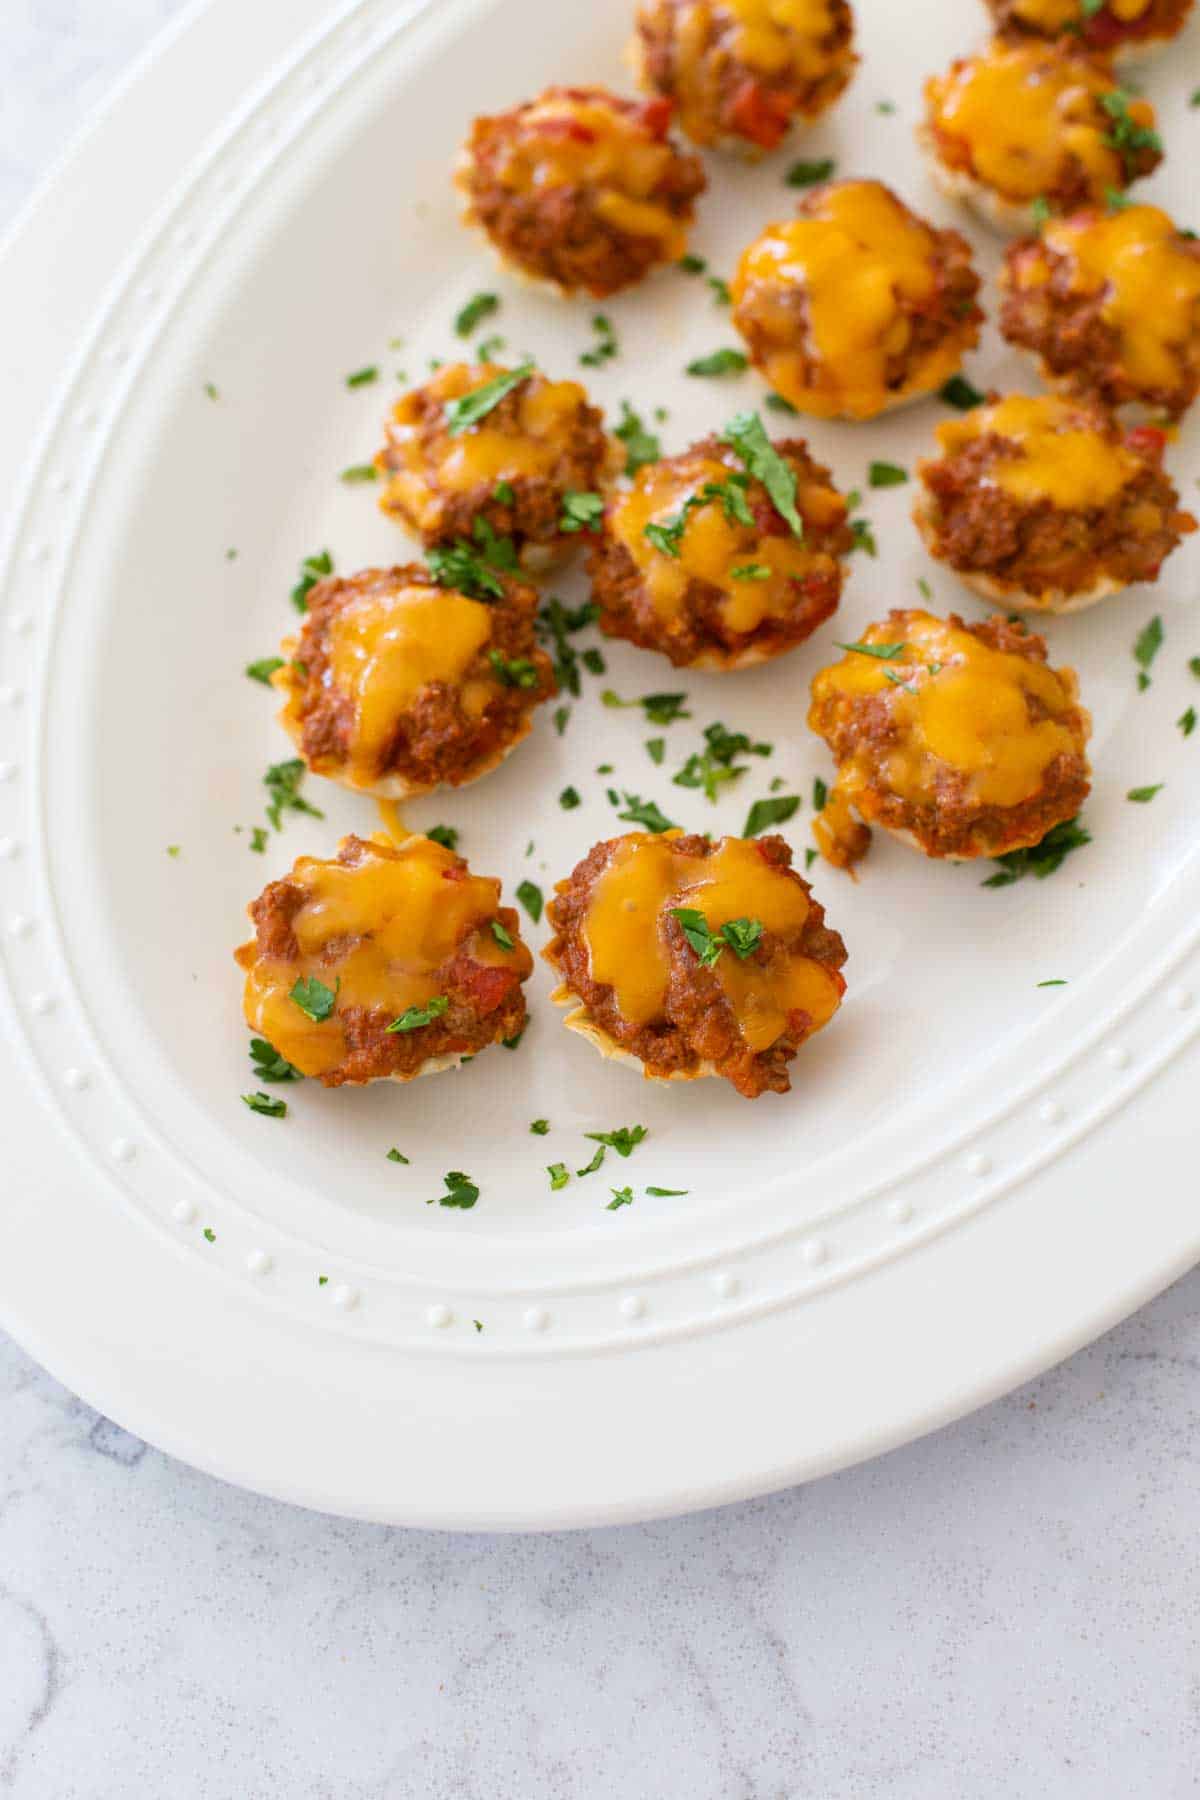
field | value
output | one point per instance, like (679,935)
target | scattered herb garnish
(210,388)
(530,896)
(312,570)
(742,936)
(820,794)
(623,1140)
(1146,647)
(466,411)
(445,835)
(558,623)
(1040,859)
(864,537)
(581,511)
(1187,721)
(666,1193)
(264,668)
(174,849)
(778,403)
(512,1042)
(396,1156)
(461,567)
(315,1000)
(489,349)
(413,1017)
(719,362)
(810,857)
(559,1175)
(502,937)
(1056,982)
(363,377)
(258,839)
(461,1191)
(269,1105)
(886,475)
(656,749)
(477,308)
(808,174)
(539,1127)
(645,812)
(358,472)
(959,393)
(660,709)
(667,534)
(269,1065)
(591,1167)
(641,446)
(209,1235)
(1144,794)
(886,107)
(924,588)
(747,434)
(750,572)
(1116,200)
(561,715)
(720,290)
(713,767)
(514,671)
(883,652)
(691,265)
(1125,135)
(606,345)
(1039,211)
(620,1197)
(764,813)
(569,799)
(282,782)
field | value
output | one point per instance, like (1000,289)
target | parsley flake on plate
(1143,795)
(363,377)
(1187,721)
(959,393)
(282,782)
(810,174)
(396,1156)
(269,1105)
(530,896)
(597,1160)
(1041,859)
(719,362)
(641,446)
(661,1193)
(477,308)
(264,668)
(414,1017)
(623,1140)
(646,813)
(886,475)
(445,835)
(539,1127)
(359,472)
(559,1175)
(765,813)
(569,799)
(620,1197)
(660,709)
(269,1065)
(1146,646)
(606,345)
(461,1191)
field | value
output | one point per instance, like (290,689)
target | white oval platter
(974,1173)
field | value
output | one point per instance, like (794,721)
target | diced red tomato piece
(760,113)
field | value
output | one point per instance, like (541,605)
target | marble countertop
(1010,1608)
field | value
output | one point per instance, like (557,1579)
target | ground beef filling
(1039,547)
(487,1002)
(952,823)
(557,234)
(1067,328)
(697,1024)
(529,508)
(628,611)
(722,97)
(436,741)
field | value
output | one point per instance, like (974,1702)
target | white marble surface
(1008,1609)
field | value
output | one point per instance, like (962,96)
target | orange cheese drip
(420,471)
(856,260)
(713,546)
(382,929)
(627,951)
(1023,111)
(386,647)
(1058,453)
(1151,286)
(957,705)
(584,143)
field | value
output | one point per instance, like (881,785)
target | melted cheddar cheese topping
(714,548)
(1151,286)
(1024,113)
(957,708)
(864,266)
(625,933)
(379,930)
(1052,16)
(1058,453)
(580,140)
(422,469)
(783,37)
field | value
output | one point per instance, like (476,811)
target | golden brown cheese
(1151,286)
(1052,16)
(1023,111)
(420,471)
(1058,454)
(712,547)
(855,259)
(624,930)
(393,922)
(580,142)
(385,648)
(956,705)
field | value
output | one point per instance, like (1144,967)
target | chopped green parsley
(363,377)
(1041,859)
(719,362)
(641,446)
(269,1105)
(461,1191)
(645,813)
(312,570)
(414,1017)
(466,411)
(264,668)
(765,813)
(605,346)
(809,174)
(886,475)
(269,1065)
(477,308)
(530,896)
